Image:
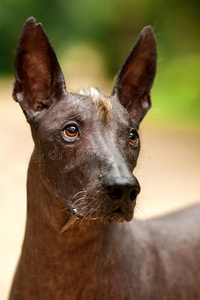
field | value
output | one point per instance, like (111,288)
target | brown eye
(134,139)
(71,133)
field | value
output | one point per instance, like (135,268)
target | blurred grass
(176,92)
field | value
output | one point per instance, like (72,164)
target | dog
(81,186)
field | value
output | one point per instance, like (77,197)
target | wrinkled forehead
(107,109)
(89,105)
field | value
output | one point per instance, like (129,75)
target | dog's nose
(123,189)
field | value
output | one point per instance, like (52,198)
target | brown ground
(168,170)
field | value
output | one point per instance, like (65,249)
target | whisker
(83,191)
(78,200)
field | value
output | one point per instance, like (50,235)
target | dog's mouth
(119,215)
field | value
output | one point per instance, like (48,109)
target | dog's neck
(51,257)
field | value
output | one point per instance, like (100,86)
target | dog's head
(87,144)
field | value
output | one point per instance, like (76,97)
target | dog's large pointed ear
(134,81)
(39,79)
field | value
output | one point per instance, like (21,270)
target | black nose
(123,189)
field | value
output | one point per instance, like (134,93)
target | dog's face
(82,154)
(87,144)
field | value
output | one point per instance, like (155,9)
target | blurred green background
(92,38)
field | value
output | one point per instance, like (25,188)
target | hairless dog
(81,185)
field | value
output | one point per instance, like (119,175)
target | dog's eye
(71,133)
(134,138)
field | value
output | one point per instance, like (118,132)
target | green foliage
(113,25)
(176,93)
